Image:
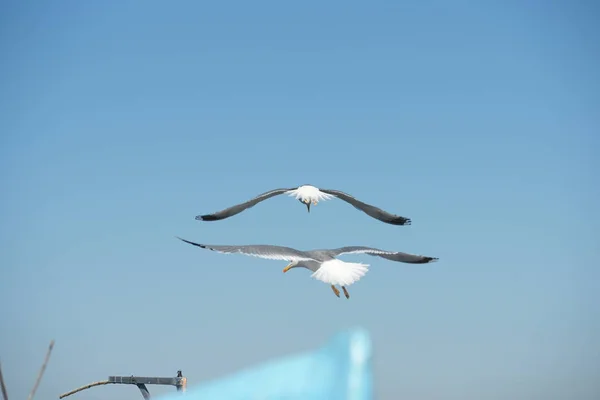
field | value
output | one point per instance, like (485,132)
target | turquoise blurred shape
(339,370)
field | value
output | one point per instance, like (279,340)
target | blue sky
(121,121)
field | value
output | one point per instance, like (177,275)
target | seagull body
(308,194)
(323,263)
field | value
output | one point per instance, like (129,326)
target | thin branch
(39,378)
(4,394)
(84,387)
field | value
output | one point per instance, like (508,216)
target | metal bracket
(180,382)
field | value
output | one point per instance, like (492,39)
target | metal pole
(180,382)
(144,391)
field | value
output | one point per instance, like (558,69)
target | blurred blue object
(341,369)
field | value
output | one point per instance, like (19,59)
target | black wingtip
(187,241)
(208,217)
(401,221)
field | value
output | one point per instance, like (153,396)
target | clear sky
(123,120)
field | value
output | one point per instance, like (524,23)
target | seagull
(323,263)
(308,194)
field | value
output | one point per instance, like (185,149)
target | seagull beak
(287,268)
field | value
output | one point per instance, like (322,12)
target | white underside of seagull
(309,194)
(341,273)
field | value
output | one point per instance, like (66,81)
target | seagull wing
(258,250)
(238,208)
(389,255)
(368,209)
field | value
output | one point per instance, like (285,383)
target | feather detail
(338,272)
(310,193)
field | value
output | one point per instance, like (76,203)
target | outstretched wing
(258,250)
(389,255)
(238,208)
(369,209)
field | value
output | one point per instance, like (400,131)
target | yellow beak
(287,268)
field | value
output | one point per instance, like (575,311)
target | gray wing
(258,250)
(369,209)
(238,208)
(389,255)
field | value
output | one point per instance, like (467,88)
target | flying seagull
(308,194)
(323,263)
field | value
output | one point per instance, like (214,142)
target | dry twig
(3,386)
(39,378)
(84,387)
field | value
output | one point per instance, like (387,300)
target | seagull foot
(337,292)
(346,292)
(315,202)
